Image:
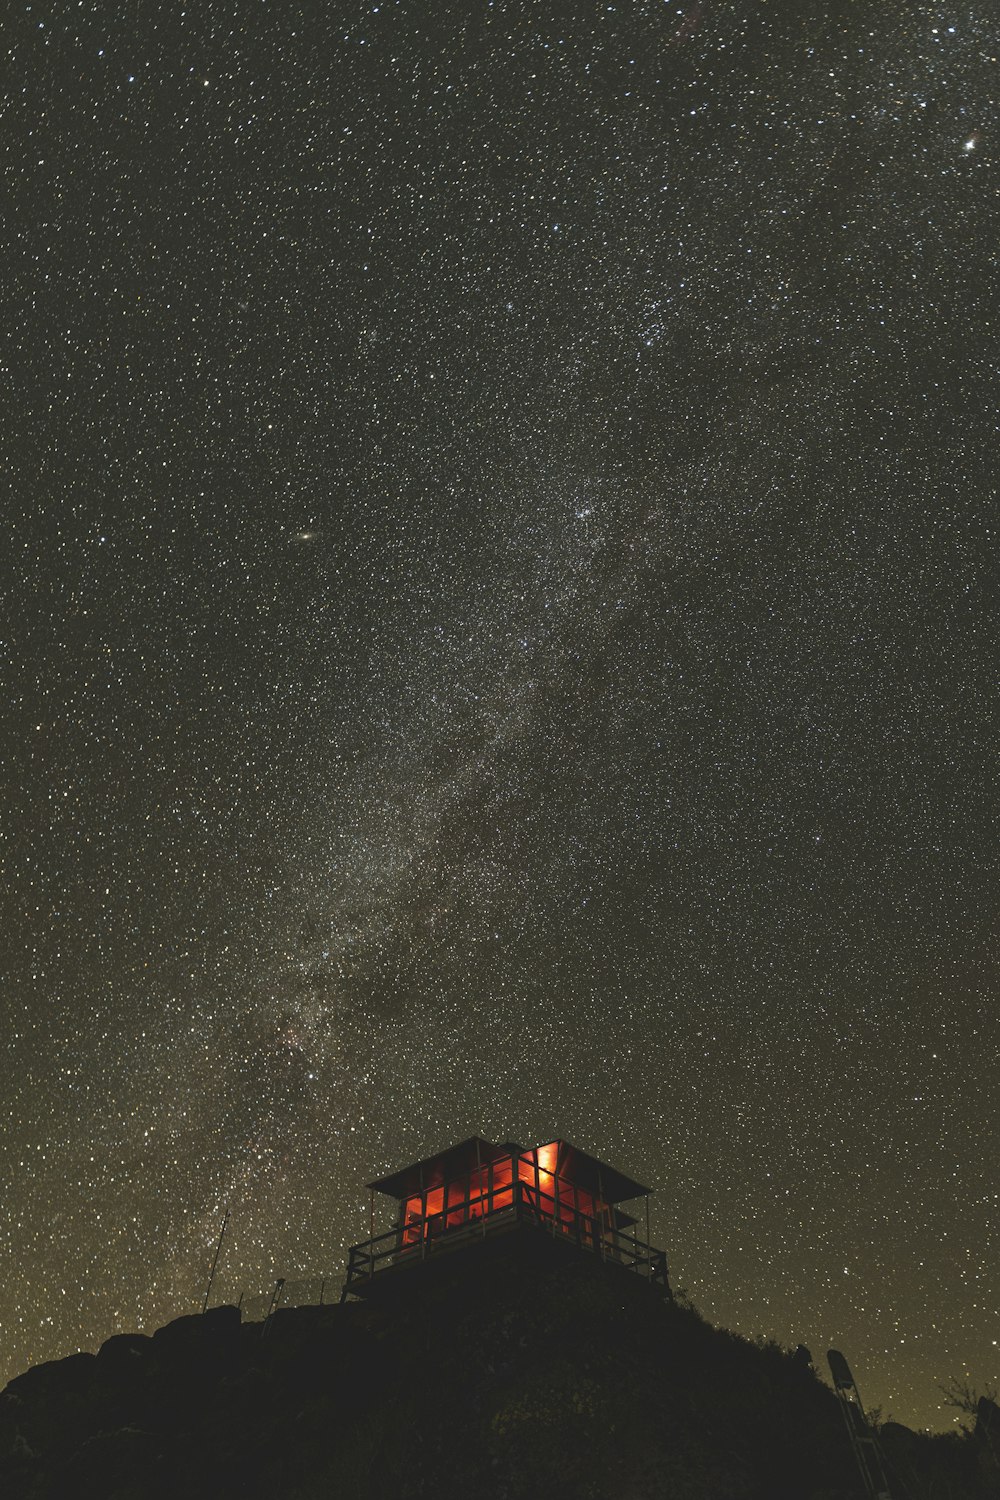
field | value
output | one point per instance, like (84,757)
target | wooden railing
(526,1205)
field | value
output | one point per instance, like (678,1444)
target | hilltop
(557,1379)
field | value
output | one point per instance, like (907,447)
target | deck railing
(526,1204)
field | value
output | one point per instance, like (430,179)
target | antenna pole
(215,1262)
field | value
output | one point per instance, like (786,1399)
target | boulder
(123,1355)
(222,1323)
(55,1378)
(183,1335)
(220,1326)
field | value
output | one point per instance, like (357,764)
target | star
(607,754)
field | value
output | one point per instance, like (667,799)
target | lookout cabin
(476,1193)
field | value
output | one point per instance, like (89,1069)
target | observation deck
(480,1194)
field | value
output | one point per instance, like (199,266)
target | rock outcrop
(523,1381)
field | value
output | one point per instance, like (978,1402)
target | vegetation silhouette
(531,1377)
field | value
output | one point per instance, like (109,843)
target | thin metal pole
(649,1243)
(600,1208)
(279,1286)
(423,1216)
(211,1274)
(371,1235)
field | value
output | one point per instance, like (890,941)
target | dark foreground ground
(551,1377)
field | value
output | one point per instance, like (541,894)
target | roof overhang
(597,1176)
(442,1167)
(586,1171)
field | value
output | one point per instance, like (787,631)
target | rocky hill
(526,1379)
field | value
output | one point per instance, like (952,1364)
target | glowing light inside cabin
(489,1189)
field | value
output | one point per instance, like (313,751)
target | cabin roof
(441,1167)
(578,1166)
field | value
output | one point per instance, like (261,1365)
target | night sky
(500,636)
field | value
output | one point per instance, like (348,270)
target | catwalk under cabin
(505,1199)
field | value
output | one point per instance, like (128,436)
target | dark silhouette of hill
(519,1378)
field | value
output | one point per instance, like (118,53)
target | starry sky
(501,638)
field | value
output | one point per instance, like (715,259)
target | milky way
(502,639)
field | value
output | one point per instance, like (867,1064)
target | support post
(649,1243)
(480,1188)
(557,1205)
(556,1223)
(371,1235)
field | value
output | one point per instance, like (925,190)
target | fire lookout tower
(495,1198)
